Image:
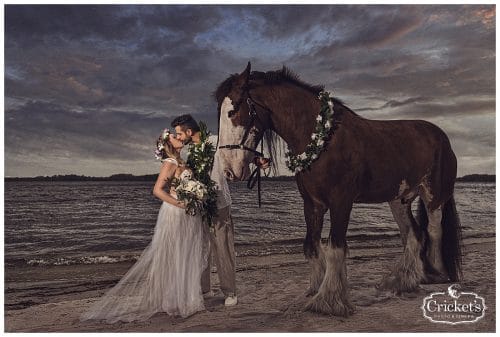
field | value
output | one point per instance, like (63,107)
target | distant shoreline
(490,178)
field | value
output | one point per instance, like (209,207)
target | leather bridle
(253,116)
(255,176)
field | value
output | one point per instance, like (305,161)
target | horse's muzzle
(243,175)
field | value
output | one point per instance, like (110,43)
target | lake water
(54,223)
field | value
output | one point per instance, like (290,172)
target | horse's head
(241,125)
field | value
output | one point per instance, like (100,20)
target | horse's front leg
(314,215)
(332,297)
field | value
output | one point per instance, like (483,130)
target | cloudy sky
(89,88)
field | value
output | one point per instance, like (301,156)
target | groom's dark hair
(186,122)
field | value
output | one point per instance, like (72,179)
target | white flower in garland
(321,133)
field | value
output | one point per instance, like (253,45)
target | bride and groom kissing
(172,274)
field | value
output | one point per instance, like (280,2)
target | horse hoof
(335,306)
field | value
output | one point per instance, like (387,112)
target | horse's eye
(236,108)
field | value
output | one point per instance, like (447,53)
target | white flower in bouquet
(319,118)
(193,188)
(201,192)
(303,156)
(313,136)
(321,142)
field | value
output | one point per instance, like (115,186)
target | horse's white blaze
(228,133)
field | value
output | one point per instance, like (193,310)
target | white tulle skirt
(167,275)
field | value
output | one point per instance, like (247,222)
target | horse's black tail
(451,243)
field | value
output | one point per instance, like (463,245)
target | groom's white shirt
(217,175)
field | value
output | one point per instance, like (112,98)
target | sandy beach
(271,297)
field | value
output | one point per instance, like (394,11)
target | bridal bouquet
(193,193)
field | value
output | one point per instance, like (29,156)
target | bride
(167,275)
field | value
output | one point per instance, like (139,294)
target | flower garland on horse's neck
(319,138)
(201,161)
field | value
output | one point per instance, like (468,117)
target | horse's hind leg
(431,219)
(314,215)
(409,271)
(401,211)
(332,296)
(434,254)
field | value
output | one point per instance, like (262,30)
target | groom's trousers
(222,249)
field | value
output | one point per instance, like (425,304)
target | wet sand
(271,297)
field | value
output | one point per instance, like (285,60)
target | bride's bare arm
(166,173)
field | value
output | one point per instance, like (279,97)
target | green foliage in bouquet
(201,161)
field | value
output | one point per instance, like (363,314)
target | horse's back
(396,152)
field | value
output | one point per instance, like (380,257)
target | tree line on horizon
(152,177)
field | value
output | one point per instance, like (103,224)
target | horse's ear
(245,75)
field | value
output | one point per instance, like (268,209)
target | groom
(222,239)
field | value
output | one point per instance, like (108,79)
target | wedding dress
(167,275)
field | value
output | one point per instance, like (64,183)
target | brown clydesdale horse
(366,161)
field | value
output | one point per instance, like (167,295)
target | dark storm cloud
(28,23)
(74,73)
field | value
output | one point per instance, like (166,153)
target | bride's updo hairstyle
(165,149)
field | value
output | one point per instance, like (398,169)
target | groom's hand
(262,162)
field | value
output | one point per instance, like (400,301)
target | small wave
(66,261)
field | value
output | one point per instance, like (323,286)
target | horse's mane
(285,75)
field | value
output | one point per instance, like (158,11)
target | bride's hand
(181,204)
